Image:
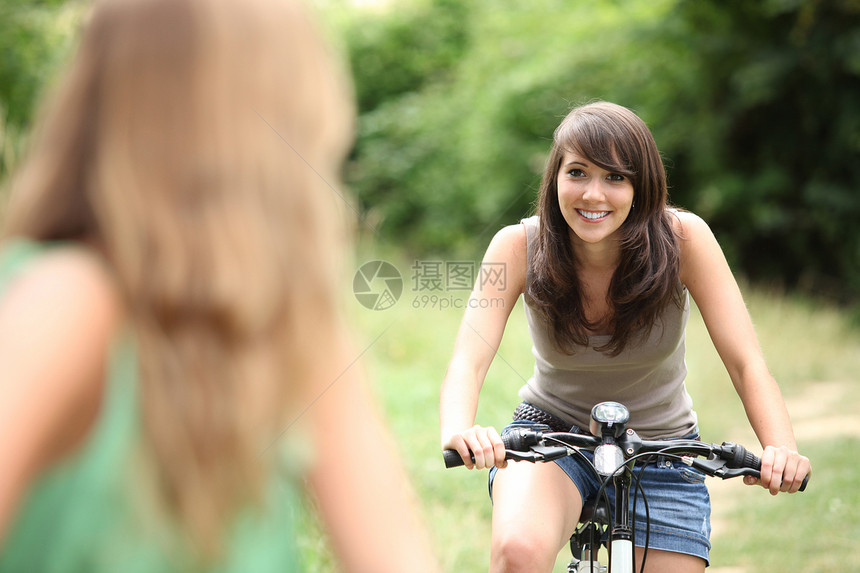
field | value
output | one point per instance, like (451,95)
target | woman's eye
(576,173)
(616,178)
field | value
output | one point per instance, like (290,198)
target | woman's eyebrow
(575,162)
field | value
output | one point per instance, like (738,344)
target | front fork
(621,536)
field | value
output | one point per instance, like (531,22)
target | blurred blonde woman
(169,329)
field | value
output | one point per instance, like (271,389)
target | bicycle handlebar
(724,461)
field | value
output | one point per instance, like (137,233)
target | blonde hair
(198,143)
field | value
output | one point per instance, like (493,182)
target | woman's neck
(596,257)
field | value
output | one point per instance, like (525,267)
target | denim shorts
(679,506)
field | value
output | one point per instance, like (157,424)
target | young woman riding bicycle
(606,268)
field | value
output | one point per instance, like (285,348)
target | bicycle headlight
(609,418)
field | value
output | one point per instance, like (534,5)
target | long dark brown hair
(195,142)
(646,279)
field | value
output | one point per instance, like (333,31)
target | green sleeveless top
(90,514)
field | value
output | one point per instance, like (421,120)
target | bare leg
(669,562)
(535,511)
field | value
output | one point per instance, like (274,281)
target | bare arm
(361,490)
(477,342)
(706,274)
(56,323)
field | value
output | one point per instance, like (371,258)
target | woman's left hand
(782,469)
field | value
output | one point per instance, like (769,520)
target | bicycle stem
(621,536)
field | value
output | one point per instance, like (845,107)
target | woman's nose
(593,191)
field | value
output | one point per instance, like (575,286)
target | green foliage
(35,38)
(32,40)
(823,520)
(399,55)
(752,104)
(782,79)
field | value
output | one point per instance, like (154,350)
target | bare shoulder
(688,225)
(67,297)
(694,234)
(702,258)
(513,236)
(57,322)
(509,248)
(65,278)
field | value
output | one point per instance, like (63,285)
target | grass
(817,529)
(809,346)
(812,350)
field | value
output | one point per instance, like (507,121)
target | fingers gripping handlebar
(530,446)
(526,446)
(516,443)
(732,460)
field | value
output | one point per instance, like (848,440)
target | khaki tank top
(647,377)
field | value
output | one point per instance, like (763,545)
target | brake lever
(550,453)
(719,468)
(538,454)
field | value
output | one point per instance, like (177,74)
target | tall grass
(814,352)
(808,344)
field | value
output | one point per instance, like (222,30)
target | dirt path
(820,401)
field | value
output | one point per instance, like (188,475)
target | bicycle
(616,449)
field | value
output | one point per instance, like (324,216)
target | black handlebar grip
(743,458)
(520,440)
(452,459)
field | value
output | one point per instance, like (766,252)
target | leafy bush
(781,80)
(753,105)
(35,37)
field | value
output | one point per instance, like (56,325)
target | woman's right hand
(483,442)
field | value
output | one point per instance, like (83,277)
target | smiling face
(594,202)
(602,157)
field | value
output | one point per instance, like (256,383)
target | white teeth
(593,214)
